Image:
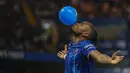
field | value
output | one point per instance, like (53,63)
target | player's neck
(77,40)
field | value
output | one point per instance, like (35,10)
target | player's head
(84,30)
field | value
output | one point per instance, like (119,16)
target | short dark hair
(93,35)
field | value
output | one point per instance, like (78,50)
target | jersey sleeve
(87,49)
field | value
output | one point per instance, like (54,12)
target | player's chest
(73,55)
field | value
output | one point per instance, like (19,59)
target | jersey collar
(80,44)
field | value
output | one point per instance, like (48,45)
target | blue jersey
(77,58)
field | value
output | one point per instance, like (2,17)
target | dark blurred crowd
(48,34)
(105,8)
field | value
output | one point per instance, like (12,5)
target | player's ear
(85,34)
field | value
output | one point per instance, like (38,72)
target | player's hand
(62,53)
(65,49)
(115,58)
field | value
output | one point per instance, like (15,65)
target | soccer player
(81,51)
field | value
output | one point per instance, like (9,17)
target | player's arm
(105,59)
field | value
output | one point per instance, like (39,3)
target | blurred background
(31,33)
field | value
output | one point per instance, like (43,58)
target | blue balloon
(68,15)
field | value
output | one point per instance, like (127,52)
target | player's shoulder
(88,44)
